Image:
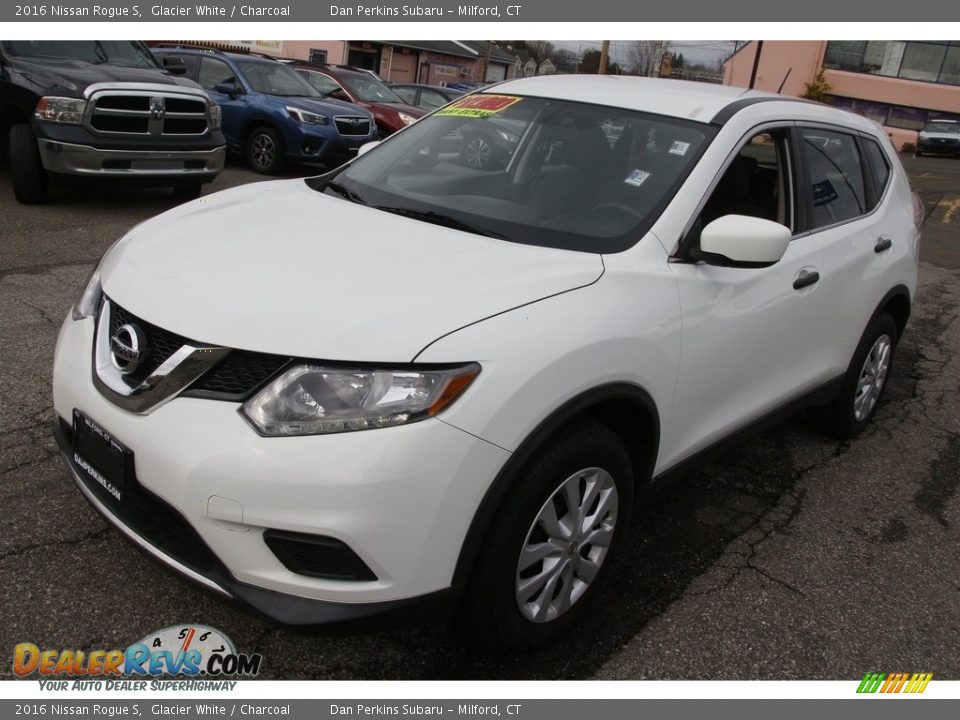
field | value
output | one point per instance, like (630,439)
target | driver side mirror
(229,87)
(743,241)
(367,147)
(340,94)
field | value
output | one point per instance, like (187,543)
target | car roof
(212,52)
(697,101)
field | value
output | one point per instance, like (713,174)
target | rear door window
(837,189)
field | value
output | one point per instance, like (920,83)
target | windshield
(276,79)
(368,89)
(942,127)
(530,170)
(114,52)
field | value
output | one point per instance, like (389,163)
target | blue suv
(271,114)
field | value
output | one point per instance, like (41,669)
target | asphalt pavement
(792,556)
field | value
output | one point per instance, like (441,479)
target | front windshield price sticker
(479,106)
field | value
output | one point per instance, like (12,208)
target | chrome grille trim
(154,115)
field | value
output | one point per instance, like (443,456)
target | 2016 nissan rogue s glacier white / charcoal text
(449,392)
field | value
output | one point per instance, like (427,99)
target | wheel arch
(258,121)
(626,409)
(897,304)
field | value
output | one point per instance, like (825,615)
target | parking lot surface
(792,556)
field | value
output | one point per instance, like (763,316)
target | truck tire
(26,169)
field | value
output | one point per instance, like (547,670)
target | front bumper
(303,142)
(939,148)
(168,165)
(401,498)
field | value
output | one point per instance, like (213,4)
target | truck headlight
(307,117)
(316,399)
(60,109)
(215,117)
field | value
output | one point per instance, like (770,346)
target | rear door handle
(806,278)
(883,244)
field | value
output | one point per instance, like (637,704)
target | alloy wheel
(566,545)
(264,151)
(873,374)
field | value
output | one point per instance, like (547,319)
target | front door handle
(883,244)
(806,278)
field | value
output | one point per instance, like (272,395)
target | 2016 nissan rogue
(451,391)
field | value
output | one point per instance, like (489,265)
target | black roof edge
(728,111)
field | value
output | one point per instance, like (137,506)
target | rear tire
(264,151)
(866,379)
(26,168)
(551,543)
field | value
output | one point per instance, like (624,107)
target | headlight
(86,306)
(507,137)
(315,400)
(60,109)
(306,116)
(215,116)
(407,119)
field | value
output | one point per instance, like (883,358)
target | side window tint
(213,72)
(880,164)
(837,188)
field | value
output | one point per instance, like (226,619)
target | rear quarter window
(879,164)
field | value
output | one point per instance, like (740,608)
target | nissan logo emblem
(157,110)
(127,348)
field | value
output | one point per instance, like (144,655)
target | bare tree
(644,56)
(540,50)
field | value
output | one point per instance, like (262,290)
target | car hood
(387,107)
(277,267)
(327,106)
(71,77)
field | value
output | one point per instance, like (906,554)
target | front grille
(352,125)
(160,343)
(317,556)
(238,375)
(147,113)
(235,378)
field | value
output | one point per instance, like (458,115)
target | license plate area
(104,461)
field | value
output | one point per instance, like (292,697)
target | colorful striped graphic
(894,682)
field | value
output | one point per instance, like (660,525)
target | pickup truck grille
(352,125)
(147,113)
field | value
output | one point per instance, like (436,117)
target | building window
(897,116)
(318,57)
(925,61)
(922,61)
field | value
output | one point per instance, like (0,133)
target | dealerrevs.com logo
(185,650)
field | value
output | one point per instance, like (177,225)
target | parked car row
(117,110)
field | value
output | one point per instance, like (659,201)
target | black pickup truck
(103,109)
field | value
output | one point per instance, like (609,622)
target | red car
(390,112)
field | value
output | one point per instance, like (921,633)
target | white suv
(411,384)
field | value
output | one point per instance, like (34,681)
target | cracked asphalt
(792,556)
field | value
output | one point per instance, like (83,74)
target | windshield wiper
(345,192)
(436,218)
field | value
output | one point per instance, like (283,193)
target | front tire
(264,151)
(866,379)
(26,168)
(548,549)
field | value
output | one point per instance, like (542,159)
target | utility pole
(604,52)
(756,64)
(486,61)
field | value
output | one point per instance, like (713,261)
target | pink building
(900,84)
